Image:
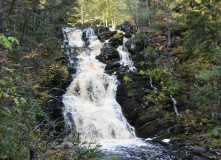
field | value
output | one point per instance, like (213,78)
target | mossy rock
(106,35)
(116,42)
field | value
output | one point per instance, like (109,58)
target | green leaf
(12,39)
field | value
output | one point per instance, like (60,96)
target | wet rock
(127,35)
(130,94)
(54,105)
(108,53)
(58,32)
(54,110)
(112,67)
(198,150)
(153,128)
(145,117)
(106,35)
(115,42)
(129,107)
(102,29)
(131,46)
(72,70)
(148,91)
(127,27)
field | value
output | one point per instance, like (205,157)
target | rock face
(108,53)
(131,95)
(55,105)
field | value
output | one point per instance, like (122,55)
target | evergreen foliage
(31,60)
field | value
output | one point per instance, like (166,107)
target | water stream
(90,105)
(125,56)
(151,84)
(174,105)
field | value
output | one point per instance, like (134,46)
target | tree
(2,5)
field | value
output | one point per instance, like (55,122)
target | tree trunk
(133,16)
(2,3)
(33,154)
(148,9)
(169,43)
(11,7)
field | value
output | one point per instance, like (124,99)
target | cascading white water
(90,98)
(125,56)
(174,105)
(151,84)
(74,37)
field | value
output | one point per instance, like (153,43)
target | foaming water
(90,98)
(125,56)
(74,37)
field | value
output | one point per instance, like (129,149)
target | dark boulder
(102,29)
(115,42)
(127,27)
(145,117)
(153,128)
(111,66)
(108,53)
(127,35)
(131,46)
(54,106)
(130,94)
(106,35)
(129,107)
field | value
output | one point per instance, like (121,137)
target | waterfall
(90,99)
(151,84)
(125,56)
(174,105)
